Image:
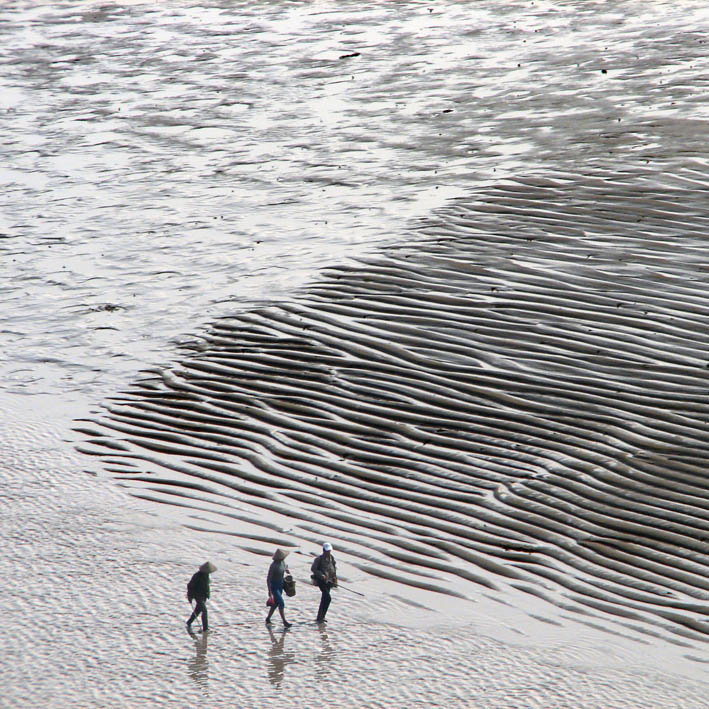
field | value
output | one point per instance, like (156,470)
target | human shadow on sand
(198,666)
(278,657)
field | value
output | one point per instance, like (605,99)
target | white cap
(327,546)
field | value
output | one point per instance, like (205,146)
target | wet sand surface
(428,281)
(95,618)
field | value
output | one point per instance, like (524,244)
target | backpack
(190,588)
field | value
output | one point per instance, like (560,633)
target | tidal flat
(426,281)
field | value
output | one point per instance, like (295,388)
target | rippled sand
(95,618)
(438,272)
(516,400)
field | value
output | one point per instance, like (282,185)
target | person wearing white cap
(198,589)
(324,574)
(274,581)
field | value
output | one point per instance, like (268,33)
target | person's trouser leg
(324,600)
(200,607)
(191,618)
(277,590)
(205,617)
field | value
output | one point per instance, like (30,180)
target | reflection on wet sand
(324,658)
(198,666)
(278,657)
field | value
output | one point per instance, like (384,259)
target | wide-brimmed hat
(327,546)
(279,554)
(208,567)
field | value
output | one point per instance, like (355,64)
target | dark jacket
(324,569)
(198,587)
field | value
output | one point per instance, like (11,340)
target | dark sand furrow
(465,316)
(605,498)
(684,628)
(657,588)
(239,403)
(392,559)
(352,476)
(248,492)
(544,217)
(663,481)
(548,337)
(574,521)
(642,554)
(650,585)
(532,389)
(615,505)
(505,426)
(505,435)
(660,571)
(379,571)
(429,521)
(590,285)
(338,517)
(588,587)
(398,486)
(642,617)
(318,361)
(587,593)
(402,512)
(626,594)
(415,471)
(586,341)
(248,431)
(598,490)
(435,441)
(657,316)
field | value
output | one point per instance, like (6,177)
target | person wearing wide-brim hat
(274,581)
(198,589)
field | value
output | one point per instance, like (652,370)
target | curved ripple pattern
(516,398)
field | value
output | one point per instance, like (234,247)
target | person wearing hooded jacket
(274,581)
(324,574)
(198,590)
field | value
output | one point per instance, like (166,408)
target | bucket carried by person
(289,585)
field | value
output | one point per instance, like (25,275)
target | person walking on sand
(324,574)
(198,590)
(274,581)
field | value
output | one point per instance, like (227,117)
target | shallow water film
(425,280)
